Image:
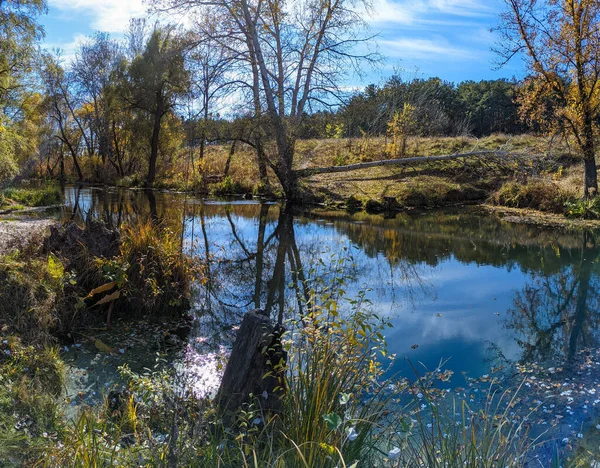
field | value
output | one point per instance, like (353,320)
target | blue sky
(446,38)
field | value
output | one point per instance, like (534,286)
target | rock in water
(256,365)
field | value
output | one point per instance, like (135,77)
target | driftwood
(397,162)
(256,365)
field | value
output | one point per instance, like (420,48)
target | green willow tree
(19,33)
(157,78)
(561,43)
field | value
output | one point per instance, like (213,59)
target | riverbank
(535,174)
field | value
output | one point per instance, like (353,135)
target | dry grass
(445,183)
(540,194)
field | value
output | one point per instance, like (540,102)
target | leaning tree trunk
(229,158)
(262,164)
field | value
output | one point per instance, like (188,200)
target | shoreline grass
(33,197)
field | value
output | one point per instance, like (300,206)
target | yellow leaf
(101,346)
(110,297)
(100,289)
(55,267)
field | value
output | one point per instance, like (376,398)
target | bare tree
(294,53)
(210,67)
(60,109)
(94,71)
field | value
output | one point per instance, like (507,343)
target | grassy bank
(549,182)
(545,168)
(55,290)
(15,198)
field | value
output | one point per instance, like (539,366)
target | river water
(460,286)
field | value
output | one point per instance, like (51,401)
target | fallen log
(301,173)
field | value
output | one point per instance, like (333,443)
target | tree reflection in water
(556,315)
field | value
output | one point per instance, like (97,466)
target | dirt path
(16,232)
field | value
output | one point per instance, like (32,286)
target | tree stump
(256,365)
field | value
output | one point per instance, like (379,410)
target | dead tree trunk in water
(256,365)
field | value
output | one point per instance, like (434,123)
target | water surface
(460,286)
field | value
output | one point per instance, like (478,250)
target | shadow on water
(458,285)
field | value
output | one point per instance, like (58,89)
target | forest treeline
(261,76)
(135,107)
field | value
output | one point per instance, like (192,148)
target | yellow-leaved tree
(560,40)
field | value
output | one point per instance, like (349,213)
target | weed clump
(32,291)
(229,186)
(538,195)
(586,209)
(154,272)
(31,379)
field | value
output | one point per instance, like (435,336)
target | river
(461,287)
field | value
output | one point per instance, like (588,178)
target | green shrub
(586,209)
(45,196)
(229,187)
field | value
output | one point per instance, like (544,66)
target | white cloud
(67,49)
(424,49)
(389,11)
(416,11)
(107,15)
(462,7)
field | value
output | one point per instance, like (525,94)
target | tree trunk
(590,176)
(397,162)
(287,177)
(154,145)
(229,157)
(74,156)
(62,166)
(256,365)
(202,143)
(117,150)
(262,164)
